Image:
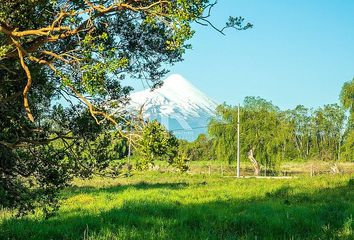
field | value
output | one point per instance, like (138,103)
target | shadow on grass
(74,190)
(281,214)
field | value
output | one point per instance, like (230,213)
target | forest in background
(269,137)
(272,136)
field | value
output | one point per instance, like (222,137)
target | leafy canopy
(65,68)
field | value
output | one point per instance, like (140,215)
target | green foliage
(156,144)
(112,45)
(39,158)
(328,131)
(347,97)
(347,153)
(199,150)
(261,131)
(275,135)
(181,163)
(102,154)
(42,175)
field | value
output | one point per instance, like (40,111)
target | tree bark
(254,162)
(334,168)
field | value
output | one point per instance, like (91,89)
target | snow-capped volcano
(178,105)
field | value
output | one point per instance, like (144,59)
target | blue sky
(299,52)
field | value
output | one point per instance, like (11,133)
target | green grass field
(180,206)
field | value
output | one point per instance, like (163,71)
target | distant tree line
(270,135)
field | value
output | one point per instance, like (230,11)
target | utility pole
(238,141)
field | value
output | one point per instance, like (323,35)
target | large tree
(80,52)
(156,144)
(347,99)
(262,132)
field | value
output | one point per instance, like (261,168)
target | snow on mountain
(178,105)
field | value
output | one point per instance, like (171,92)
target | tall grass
(179,206)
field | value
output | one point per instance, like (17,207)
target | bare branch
(29,80)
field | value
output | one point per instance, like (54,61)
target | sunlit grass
(180,206)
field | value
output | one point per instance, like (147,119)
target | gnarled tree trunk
(254,162)
(334,168)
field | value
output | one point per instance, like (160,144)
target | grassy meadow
(157,205)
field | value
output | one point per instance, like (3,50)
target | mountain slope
(178,105)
